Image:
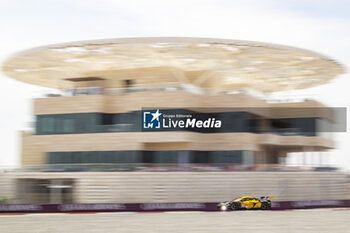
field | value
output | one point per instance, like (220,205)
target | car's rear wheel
(265,206)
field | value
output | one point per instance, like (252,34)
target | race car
(246,203)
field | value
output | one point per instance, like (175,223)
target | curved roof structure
(217,64)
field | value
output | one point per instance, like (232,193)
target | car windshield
(237,199)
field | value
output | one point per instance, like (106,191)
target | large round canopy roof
(217,64)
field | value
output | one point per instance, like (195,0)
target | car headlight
(223,208)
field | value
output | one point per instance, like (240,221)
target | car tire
(265,206)
(234,206)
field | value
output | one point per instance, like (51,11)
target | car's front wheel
(235,206)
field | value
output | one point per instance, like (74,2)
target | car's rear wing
(267,197)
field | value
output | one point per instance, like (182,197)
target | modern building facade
(95,120)
(95,129)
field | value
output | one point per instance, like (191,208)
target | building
(95,121)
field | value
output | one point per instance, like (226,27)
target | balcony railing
(116,128)
(169,167)
(177,87)
(288,132)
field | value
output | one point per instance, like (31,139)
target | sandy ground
(321,220)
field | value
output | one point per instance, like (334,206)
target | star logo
(156,115)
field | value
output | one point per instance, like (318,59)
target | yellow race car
(246,203)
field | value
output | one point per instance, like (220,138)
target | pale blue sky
(320,25)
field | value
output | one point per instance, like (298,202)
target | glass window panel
(200,156)
(164,156)
(226,157)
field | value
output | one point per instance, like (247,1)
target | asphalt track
(316,220)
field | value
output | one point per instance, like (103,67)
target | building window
(157,157)
(131,122)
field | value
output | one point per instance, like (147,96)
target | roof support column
(304,156)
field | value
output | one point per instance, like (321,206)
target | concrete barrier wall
(142,207)
(162,187)
(6,186)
